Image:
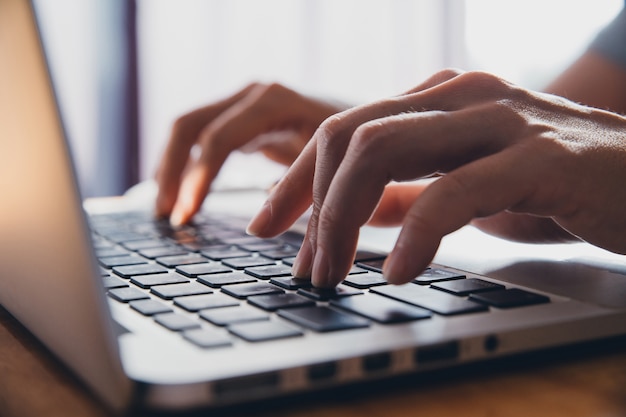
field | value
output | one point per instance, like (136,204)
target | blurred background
(125,69)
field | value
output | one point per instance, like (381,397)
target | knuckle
(507,111)
(486,81)
(253,85)
(447,73)
(255,90)
(274,88)
(479,77)
(270,90)
(367,137)
(328,129)
(181,126)
(265,99)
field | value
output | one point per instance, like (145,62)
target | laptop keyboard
(214,284)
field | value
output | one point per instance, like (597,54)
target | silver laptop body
(51,282)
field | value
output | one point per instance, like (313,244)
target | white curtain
(195,51)
(529,42)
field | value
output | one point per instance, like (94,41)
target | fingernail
(320,276)
(302,265)
(259,223)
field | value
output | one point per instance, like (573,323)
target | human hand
(501,153)
(256,117)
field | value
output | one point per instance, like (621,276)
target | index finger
(184,134)
(265,109)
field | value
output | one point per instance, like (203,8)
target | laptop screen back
(47,267)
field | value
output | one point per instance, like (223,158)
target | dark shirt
(611,41)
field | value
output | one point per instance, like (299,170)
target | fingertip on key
(395,268)
(178,217)
(260,221)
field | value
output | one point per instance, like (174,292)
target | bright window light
(529,42)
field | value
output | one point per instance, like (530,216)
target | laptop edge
(59,311)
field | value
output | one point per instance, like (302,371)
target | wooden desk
(587,382)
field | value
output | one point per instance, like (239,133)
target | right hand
(243,119)
(503,154)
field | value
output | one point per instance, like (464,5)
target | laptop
(209,317)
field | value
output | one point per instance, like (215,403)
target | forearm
(595,81)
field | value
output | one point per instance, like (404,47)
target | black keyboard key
(323,319)
(224,252)
(154,253)
(147,281)
(121,261)
(248,290)
(269,271)
(187,259)
(367,255)
(180,290)
(244,239)
(463,287)
(289,261)
(325,294)
(366,280)
(181,236)
(436,275)
(199,302)
(203,244)
(513,297)
(356,270)
(176,322)
(263,331)
(121,237)
(136,245)
(375,265)
(292,238)
(247,262)
(150,307)
(430,299)
(260,246)
(218,280)
(273,302)
(207,338)
(109,252)
(100,243)
(280,253)
(381,309)
(194,270)
(143,269)
(128,294)
(291,283)
(222,235)
(113,282)
(231,315)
